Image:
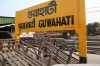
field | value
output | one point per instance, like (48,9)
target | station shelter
(7,24)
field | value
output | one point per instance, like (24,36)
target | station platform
(92,60)
(77,65)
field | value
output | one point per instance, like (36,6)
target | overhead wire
(93,7)
(92,11)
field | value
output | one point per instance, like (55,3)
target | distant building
(7,24)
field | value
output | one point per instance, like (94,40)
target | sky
(9,7)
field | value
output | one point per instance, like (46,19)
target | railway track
(58,55)
(18,53)
(92,46)
(57,48)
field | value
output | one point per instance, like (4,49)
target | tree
(91,28)
(95,25)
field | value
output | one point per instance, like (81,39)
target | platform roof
(6,20)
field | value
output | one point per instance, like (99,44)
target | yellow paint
(81,29)
(17,34)
(63,8)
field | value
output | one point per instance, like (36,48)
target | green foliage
(91,28)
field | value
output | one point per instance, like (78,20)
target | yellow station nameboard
(52,16)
